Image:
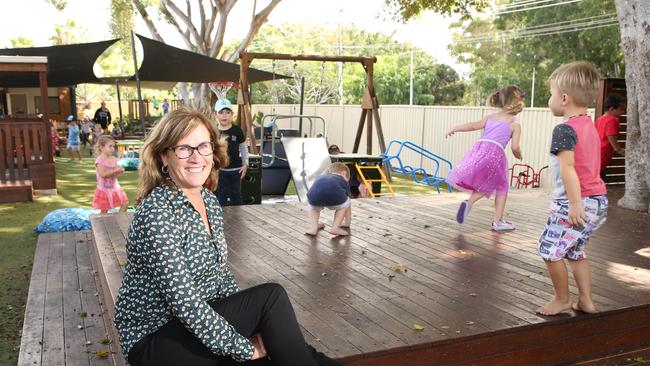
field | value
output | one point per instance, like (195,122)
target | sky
(35,19)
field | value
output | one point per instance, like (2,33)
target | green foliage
(433,83)
(407,9)
(499,57)
(20,42)
(60,5)
(68,33)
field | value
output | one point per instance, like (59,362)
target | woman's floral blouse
(173,268)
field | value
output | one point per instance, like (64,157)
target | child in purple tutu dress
(483,170)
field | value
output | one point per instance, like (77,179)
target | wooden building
(615,171)
(26,160)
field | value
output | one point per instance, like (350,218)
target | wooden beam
(20,67)
(357,138)
(284,56)
(42,79)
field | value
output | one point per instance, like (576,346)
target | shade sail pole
(119,104)
(137,85)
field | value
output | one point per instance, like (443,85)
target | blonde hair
(579,80)
(509,98)
(103,140)
(167,131)
(339,168)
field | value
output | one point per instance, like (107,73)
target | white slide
(308,159)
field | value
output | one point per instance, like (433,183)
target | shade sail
(162,66)
(67,64)
(166,63)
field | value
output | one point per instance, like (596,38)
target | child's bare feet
(314,232)
(554,307)
(584,306)
(338,232)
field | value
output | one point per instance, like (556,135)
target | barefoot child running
(579,204)
(483,170)
(108,194)
(331,190)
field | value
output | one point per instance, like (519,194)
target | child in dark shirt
(330,190)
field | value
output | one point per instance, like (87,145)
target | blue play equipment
(419,175)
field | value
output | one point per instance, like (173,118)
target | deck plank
(463,283)
(53,333)
(31,343)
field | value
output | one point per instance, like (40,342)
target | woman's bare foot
(554,307)
(584,307)
(338,232)
(313,232)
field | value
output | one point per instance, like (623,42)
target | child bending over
(331,190)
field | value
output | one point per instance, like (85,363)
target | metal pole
(119,104)
(532,92)
(137,85)
(340,64)
(302,103)
(411,81)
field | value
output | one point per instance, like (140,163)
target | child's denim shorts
(560,239)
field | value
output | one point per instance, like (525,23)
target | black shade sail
(67,65)
(166,63)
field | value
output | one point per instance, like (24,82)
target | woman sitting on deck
(179,303)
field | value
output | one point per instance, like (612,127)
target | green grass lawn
(75,185)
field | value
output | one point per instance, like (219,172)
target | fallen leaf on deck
(426,226)
(105,341)
(363,252)
(324,274)
(102,353)
(83,314)
(418,327)
(469,322)
(398,267)
(445,327)
(472,294)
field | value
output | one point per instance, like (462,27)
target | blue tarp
(128,163)
(66,219)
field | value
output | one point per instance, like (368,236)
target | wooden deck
(466,286)
(473,292)
(64,319)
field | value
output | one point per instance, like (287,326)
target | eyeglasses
(186,151)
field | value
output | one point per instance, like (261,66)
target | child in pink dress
(108,194)
(483,171)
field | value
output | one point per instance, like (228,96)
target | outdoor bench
(65,322)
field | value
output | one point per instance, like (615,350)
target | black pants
(263,309)
(229,188)
(84,138)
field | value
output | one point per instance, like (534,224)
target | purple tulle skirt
(483,169)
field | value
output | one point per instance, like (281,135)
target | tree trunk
(634,20)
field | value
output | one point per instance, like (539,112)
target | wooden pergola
(369,103)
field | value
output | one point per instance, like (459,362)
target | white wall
(425,126)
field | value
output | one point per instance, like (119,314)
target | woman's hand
(258,345)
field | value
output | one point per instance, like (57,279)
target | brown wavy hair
(509,98)
(167,132)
